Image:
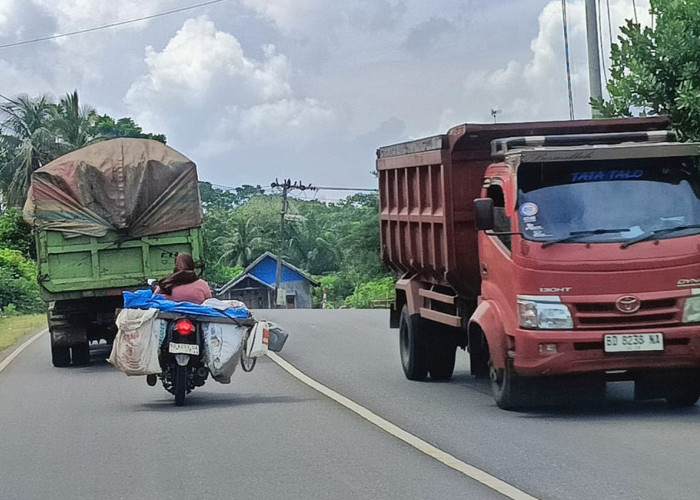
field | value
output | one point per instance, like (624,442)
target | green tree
(656,70)
(18,284)
(27,142)
(242,242)
(106,127)
(73,122)
(16,234)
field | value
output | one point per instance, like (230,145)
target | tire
(60,356)
(479,363)
(683,391)
(683,399)
(412,346)
(81,354)
(443,351)
(180,384)
(247,363)
(507,388)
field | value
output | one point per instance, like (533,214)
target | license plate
(183,349)
(630,342)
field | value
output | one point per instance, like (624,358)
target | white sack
(222,349)
(258,340)
(135,348)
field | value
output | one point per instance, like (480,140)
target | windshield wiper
(574,235)
(657,233)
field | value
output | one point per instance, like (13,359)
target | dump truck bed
(85,266)
(427,188)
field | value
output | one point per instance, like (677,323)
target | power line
(316,188)
(111,25)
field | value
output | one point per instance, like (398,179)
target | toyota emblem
(628,304)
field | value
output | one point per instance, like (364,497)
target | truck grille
(596,315)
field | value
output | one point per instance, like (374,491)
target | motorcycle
(182,358)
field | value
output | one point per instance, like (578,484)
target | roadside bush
(376,293)
(18,286)
(16,234)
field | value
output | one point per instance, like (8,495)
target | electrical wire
(111,25)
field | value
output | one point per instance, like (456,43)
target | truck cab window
(501,221)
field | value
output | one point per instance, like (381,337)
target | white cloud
(72,15)
(234,99)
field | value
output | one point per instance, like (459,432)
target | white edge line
(5,362)
(441,456)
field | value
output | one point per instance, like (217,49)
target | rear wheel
(60,356)
(81,354)
(443,350)
(412,345)
(180,384)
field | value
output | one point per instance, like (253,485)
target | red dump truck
(560,255)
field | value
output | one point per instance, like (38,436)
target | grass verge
(16,328)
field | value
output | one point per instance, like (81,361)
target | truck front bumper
(583,351)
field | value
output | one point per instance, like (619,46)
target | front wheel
(683,391)
(180,384)
(506,386)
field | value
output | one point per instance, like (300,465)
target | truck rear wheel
(443,350)
(60,356)
(81,354)
(412,345)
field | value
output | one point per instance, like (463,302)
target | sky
(258,90)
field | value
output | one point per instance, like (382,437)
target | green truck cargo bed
(86,266)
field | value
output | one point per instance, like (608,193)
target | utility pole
(286,186)
(593,53)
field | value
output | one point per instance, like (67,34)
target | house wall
(258,298)
(302,289)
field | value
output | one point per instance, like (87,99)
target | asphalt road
(94,433)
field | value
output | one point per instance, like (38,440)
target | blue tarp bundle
(144,299)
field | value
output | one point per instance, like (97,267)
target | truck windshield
(609,200)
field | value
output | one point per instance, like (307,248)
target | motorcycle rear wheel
(180,384)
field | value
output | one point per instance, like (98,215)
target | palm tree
(27,142)
(243,243)
(72,122)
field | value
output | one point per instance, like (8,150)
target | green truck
(107,218)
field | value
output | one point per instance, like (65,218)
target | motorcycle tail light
(184,327)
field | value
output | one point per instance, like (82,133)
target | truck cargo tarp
(136,187)
(144,299)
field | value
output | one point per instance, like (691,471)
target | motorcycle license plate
(183,349)
(633,342)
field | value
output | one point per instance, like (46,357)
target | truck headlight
(691,311)
(544,312)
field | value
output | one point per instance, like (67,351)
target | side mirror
(483,214)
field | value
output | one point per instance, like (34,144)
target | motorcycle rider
(183,285)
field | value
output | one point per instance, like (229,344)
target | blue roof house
(255,286)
